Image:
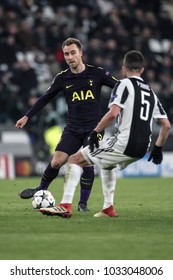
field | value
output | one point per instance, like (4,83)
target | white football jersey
(139,106)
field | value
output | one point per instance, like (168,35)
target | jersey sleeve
(107,78)
(51,92)
(119,94)
(159,112)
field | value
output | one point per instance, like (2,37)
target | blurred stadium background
(31,34)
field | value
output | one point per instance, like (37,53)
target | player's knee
(58,159)
(72,159)
(57,163)
(77,159)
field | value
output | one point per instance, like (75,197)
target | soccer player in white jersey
(135,103)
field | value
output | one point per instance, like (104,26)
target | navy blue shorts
(72,141)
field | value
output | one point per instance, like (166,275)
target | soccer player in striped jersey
(81,85)
(137,105)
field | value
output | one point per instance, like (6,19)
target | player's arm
(38,106)
(108,118)
(51,92)
(118,94)
(104,123)
(115,107)
(164,132)
(156,154)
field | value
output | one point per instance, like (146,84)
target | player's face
(72,55)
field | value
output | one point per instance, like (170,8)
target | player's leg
(76,163)
(64,209)
(108,181)
(108,178)
(107,159)
(62,152)
(72,178)
(104,158)
(86,183)
(50,173)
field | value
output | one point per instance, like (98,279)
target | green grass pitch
(143,230)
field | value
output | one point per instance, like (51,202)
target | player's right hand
(93,140)
(21,122)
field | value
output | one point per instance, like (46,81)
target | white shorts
(106,157)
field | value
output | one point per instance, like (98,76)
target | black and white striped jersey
(139,106)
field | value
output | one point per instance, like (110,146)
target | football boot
(82,207)
(108,212)
(28,193)
(63,210)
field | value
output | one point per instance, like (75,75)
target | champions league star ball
(43,199)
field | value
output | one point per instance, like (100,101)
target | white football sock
(72,178)
(108,178)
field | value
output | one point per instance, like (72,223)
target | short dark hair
(133,60)
(70,41)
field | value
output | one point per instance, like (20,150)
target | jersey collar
(137,77)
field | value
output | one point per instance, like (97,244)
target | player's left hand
(156,155)
(93,140)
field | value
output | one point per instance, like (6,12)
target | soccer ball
(43,199)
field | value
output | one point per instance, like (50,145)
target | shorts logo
(69,86)
(98,151)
